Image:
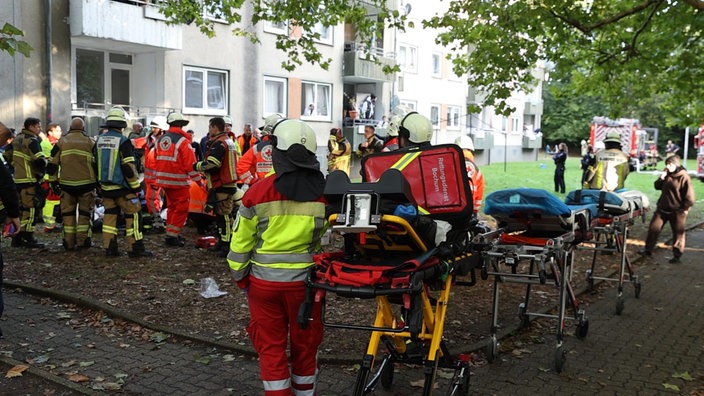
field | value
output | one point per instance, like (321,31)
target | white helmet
(290,132)
(465,142)
(176,118)
(159,122)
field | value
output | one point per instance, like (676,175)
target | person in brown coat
(676,197)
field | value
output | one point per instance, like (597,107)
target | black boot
(138,250)
(175,241)
(17,240)
(29,241)
(112,250)
(87,243)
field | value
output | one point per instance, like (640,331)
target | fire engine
(699,145)
(640,144)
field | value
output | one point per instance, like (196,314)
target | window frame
(433,72)
(284,95)
(436,106)
(205,109)
(304,103)
(413,68)
(449,122)
(318,28)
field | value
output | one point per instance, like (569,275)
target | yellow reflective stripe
(405,160)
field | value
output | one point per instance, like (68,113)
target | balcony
(533,141)
(533,108)
(482,140)
(129,25)
(359,65)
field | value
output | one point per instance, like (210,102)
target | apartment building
(92,54)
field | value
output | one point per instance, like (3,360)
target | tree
(618,49)
(10,43)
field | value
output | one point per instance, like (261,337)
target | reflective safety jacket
(339,154)
(220,163)
(274,238)
(174,159)
(245,144)
(150,158)
(114,156)
(610,171)
(256,163)
(28,159)
(477,178)
(73,163)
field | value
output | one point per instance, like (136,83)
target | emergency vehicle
(699,145)
(640,144)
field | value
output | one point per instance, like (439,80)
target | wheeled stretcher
(392,258)
(616,212)
(536,227)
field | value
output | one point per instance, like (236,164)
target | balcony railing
(361,62)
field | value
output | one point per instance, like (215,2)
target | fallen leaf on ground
(78,378)
(685,376)
(16,371)
(671,387)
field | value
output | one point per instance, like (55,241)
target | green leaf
(203,359)
(671,387)
(158,337)
(189,282)
(685,376)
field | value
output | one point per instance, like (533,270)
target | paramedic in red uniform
(174,170)
(278,228)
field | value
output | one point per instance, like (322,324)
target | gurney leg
(560,353)
(492,350)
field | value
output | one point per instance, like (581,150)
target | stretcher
(536,227)
(616,212)
(390,257)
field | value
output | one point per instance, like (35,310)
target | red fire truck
(699,146)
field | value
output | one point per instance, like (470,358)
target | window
(410,104)
(275,94)
(408,58)
(213,10)
(204,91)
(319,96)
(504,124)
(453,117)
(435,115)
(325,33)
(436,64)
(90,80)
(514,125)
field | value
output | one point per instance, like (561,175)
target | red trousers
(152,194)
(273,307)
(176,216)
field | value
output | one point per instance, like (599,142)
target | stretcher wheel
(590,280)
(619,305)
(387,374)
(492,349)
(560,358)
(582,329)
(637,287)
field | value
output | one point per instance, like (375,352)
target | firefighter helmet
(290,132)
(613,137)
(228,120)
(116,118)
(176,118)
(269,123)
(465,142)
(416,128)
(159,122)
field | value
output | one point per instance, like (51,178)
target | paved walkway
(657,337)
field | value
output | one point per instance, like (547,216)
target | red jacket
(174,160)
(241,141)
(256,163)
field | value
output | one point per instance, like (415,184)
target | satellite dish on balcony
(407,8)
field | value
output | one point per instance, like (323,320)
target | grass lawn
(539,174)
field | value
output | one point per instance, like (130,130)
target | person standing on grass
(676,198)
(560,157)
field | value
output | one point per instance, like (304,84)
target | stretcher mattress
(609,203)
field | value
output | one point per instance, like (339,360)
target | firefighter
(391,139)
(246,140)
(29,163)
(612,166)
(278,228)
(339,151)
(255,164)
(119,185)
(72,175)
(414,131)
(473,172)
(174,166)
(219,167)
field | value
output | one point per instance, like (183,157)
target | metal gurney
(534,226)
(616,212)
(405,271)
